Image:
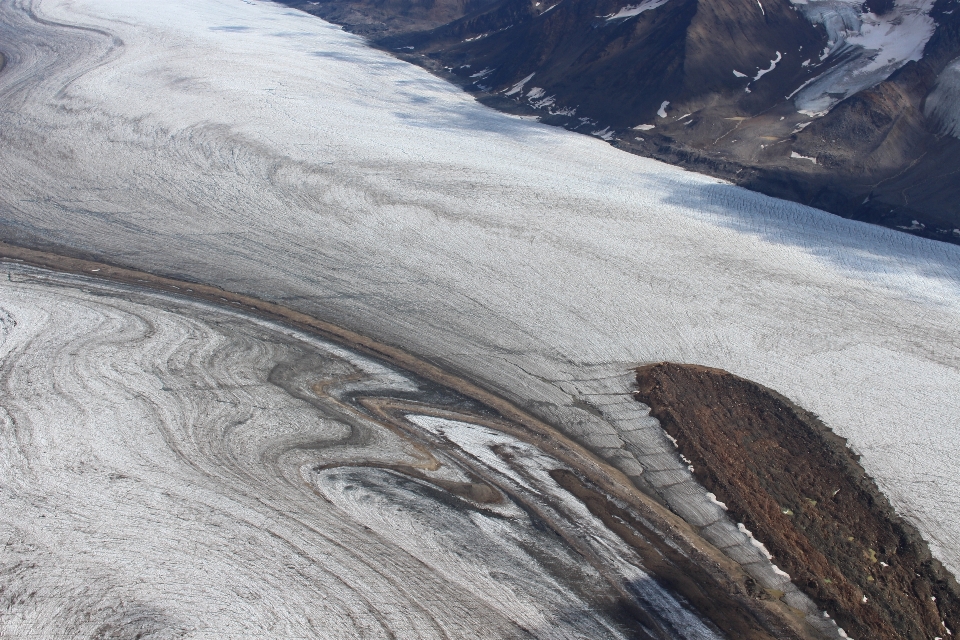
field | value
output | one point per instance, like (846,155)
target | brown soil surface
(803,493)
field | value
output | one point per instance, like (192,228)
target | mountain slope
(850,108)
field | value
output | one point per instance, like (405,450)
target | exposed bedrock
(802,493)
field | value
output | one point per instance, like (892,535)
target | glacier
(253,147)
(867,48)
(167,472)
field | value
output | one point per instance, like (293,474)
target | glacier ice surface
(257,148)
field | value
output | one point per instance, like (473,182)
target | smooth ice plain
(253,147)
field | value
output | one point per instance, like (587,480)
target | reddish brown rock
(803,493)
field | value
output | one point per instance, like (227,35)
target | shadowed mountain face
(379,18)
(824,102)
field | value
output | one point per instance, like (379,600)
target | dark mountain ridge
(716,86)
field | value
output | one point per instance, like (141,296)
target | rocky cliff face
(848,107)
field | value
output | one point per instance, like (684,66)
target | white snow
(756,543)
(517,88)
(713,498)
(312,169)
(773,65)
(644,127)
(738,74)
(636,9)
(603,134)
(943,103)
(794,154)
(780,572)
(544,102)
(662,111)
(873,47)
(564,111)
(915,225)
(535,96)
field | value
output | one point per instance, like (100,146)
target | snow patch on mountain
(797,156)
(517,88)
(943,103)
(603,134)
(636,9)
(773,65)
(871,47)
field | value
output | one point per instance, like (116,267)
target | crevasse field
(249,146)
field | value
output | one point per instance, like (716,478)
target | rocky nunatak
(801,492)
(782,98)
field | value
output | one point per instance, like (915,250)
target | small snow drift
(773,65)
(518,87)
(636,9)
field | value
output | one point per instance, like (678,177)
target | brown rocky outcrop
(803,493)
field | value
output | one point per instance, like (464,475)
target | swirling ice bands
(247,146)
(171,470)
